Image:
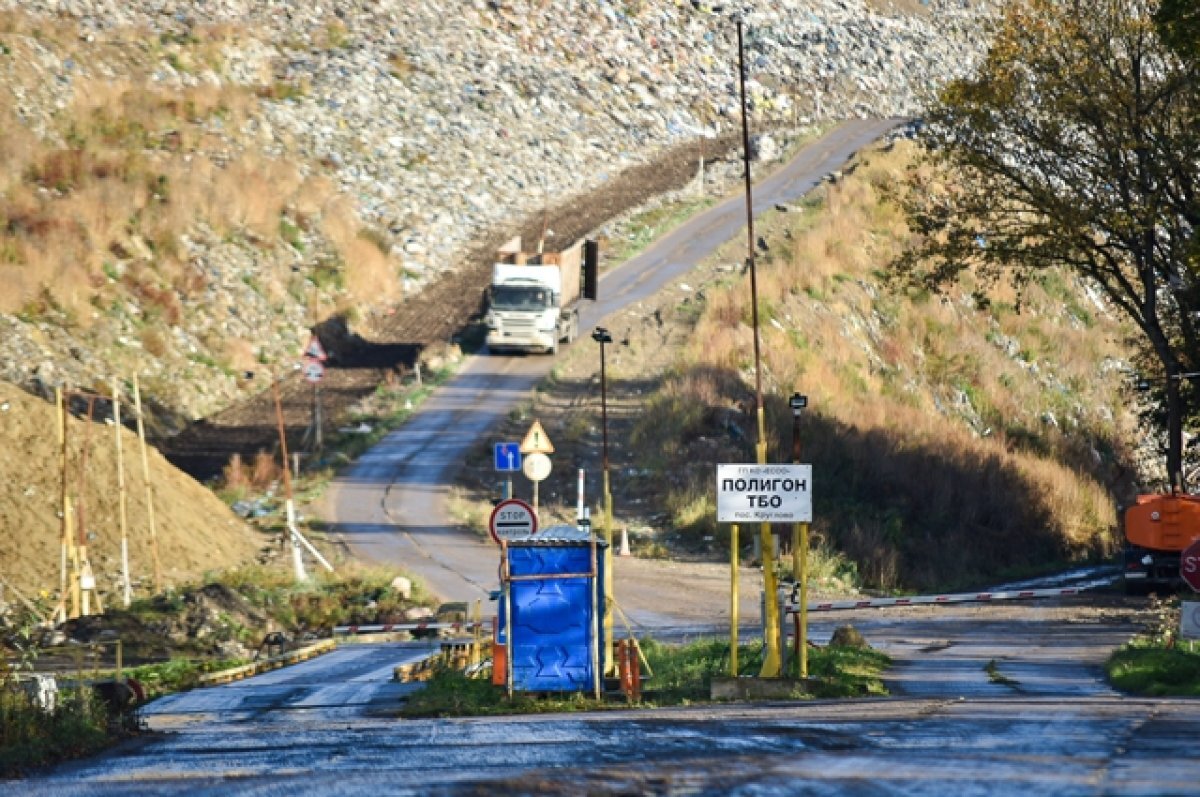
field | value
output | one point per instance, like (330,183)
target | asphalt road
(1048,726)
(390,507)
(1052,728)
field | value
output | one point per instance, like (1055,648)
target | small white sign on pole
(764,493)
(1189,619)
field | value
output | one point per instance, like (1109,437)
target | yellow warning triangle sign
(536,441)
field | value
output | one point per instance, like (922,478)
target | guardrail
(265,665)
(388,628)
(791,603)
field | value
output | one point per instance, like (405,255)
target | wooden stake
(74,556)
(122,513)
(141,428)
(61,424)
(84,575)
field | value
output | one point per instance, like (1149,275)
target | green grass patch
(1151,668)
(176,675)
(31,737)
(644,228)
(682,675)
(995,676)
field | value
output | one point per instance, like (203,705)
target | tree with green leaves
(1076,146)
(1179,25)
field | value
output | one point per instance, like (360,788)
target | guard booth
(552,599)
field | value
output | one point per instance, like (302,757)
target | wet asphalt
(987,700)
(1052,727)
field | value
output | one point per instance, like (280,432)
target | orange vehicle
(1157,529)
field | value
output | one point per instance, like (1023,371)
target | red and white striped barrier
(792,602)
(387,628)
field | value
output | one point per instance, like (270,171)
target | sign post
(535,447)
(536,441)
(764,493)
(313,368)
(1189,565)
(536,468)
(512,517)
(1189,619)
(507,459)
(759,494)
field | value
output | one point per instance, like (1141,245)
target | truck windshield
(511,297)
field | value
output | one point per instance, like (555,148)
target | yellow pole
(803,581)
(477,618)
(596,674)
(733,600)
(122,514)
(797,565)
(608,578)
(771,657)
(141,428)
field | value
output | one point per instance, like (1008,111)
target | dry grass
(130,167)
(953,439)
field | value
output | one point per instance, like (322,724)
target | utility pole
(772,656)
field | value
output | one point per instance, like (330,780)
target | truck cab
(533,300)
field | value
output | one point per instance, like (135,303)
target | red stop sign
(1189,565)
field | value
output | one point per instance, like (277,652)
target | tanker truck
(533,300)
(1157,529)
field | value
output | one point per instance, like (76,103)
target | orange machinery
(1157,528)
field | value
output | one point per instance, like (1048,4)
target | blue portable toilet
(557,620)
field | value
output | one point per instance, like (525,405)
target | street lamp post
(601,336)
(800,542)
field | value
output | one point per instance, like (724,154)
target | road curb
(455,654)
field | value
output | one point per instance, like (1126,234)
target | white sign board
(764,493)
(1189,619)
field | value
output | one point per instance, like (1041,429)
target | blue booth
(555,580)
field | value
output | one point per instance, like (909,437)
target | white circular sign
(536,467)
(512,517)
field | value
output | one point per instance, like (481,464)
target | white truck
(533,301)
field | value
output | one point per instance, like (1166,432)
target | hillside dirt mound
(195,530)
